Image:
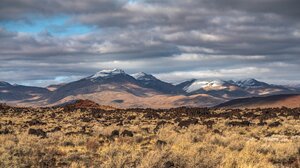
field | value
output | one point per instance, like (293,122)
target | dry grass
(80,143)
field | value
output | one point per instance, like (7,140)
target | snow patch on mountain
(199,84)
(143,76)
(250,83)
(107,73)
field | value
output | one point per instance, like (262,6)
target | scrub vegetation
(74,136)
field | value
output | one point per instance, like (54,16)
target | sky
(46,42)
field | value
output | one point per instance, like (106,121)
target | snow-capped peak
(199,84)
(139,75)
(107,73)
(143,76)
(250,83)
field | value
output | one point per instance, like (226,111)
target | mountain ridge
(117,88)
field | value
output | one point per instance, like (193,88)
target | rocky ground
(82,136)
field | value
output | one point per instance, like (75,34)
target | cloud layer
(174,39)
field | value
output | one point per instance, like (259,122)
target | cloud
(173,39)
(236,73)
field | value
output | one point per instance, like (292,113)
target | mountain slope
(149,81)
(255,87)
(184,84)
(10,92)
(54,86)
(251,83)
(154,100)
(288,100)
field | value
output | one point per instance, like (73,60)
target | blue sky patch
(58,25)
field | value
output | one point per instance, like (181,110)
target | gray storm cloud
(173,39)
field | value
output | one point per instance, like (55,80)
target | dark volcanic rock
(160,143)
(169,164)
(275,124)
(239,123)
(35,122)
(187,123)
(5,131)
(37,132)
(114,133)
(127,133)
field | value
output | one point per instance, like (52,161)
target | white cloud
(236,73)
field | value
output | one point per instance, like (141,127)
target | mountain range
(119,89)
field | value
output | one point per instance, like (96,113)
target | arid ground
(90,136)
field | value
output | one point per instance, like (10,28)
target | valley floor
(181,137)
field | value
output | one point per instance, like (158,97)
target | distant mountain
(288,100)
(117,88)
(232,89)
(218,88)
(294,87)
(149,81)
(251,83)
(255,87)
(106,80)
(10,92)
(297,88)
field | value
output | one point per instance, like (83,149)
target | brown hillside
(291,101)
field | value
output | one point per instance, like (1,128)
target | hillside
(289,100)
